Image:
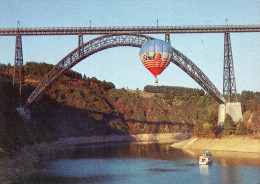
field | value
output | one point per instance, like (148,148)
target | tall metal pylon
(229,82)
(80,46)
(167,38)
(18,74)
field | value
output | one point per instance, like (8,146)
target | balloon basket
(156,81)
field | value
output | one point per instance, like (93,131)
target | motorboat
(205,158)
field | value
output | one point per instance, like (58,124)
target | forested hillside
(81,106)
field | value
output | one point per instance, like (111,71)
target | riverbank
(229,143)
(26,162)
(143,138)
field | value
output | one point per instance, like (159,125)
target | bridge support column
(167,38)
(229,81)
(80,45)
(231,108)
(18,74)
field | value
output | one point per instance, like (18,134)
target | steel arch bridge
(115,40)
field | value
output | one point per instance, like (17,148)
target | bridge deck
(128,30)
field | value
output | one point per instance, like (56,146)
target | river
(144,163)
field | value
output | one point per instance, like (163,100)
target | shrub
(197,129)
(242,130)
(229,126)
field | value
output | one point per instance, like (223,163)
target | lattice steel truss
(18,75)
(80,45)
(116,40)
(129,30)
(194,72)
(167,38)
(229,81)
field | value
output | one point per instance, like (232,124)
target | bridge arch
(115,40)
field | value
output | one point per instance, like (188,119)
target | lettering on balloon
(155,56)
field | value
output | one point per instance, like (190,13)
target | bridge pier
(18,73)
(231,108)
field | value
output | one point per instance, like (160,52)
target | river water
(145,163)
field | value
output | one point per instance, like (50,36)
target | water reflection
(159,151)
(143,163)
(228,158)
(204,169)
(231,174)
(132,150)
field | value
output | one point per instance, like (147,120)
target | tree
(213,118)
(245,98)
(242,130)
(197,129)
(9,66)
(256,122)
(253,105)
(84,77)
(208,129)
(229,126)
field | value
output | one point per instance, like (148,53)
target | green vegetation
(33,70)
(250,123)
(229,127)
(242,129)
(250,101)
(175,91)
(82,106)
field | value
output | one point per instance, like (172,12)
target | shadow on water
(191,165)
(164,170)
(137,163)
(153,151)
(120,150)
(44,179)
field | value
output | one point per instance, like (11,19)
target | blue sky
(122,65)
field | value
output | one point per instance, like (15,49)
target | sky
(122,65)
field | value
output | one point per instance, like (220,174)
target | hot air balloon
(156,56)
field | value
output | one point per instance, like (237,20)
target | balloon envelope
(156,55)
